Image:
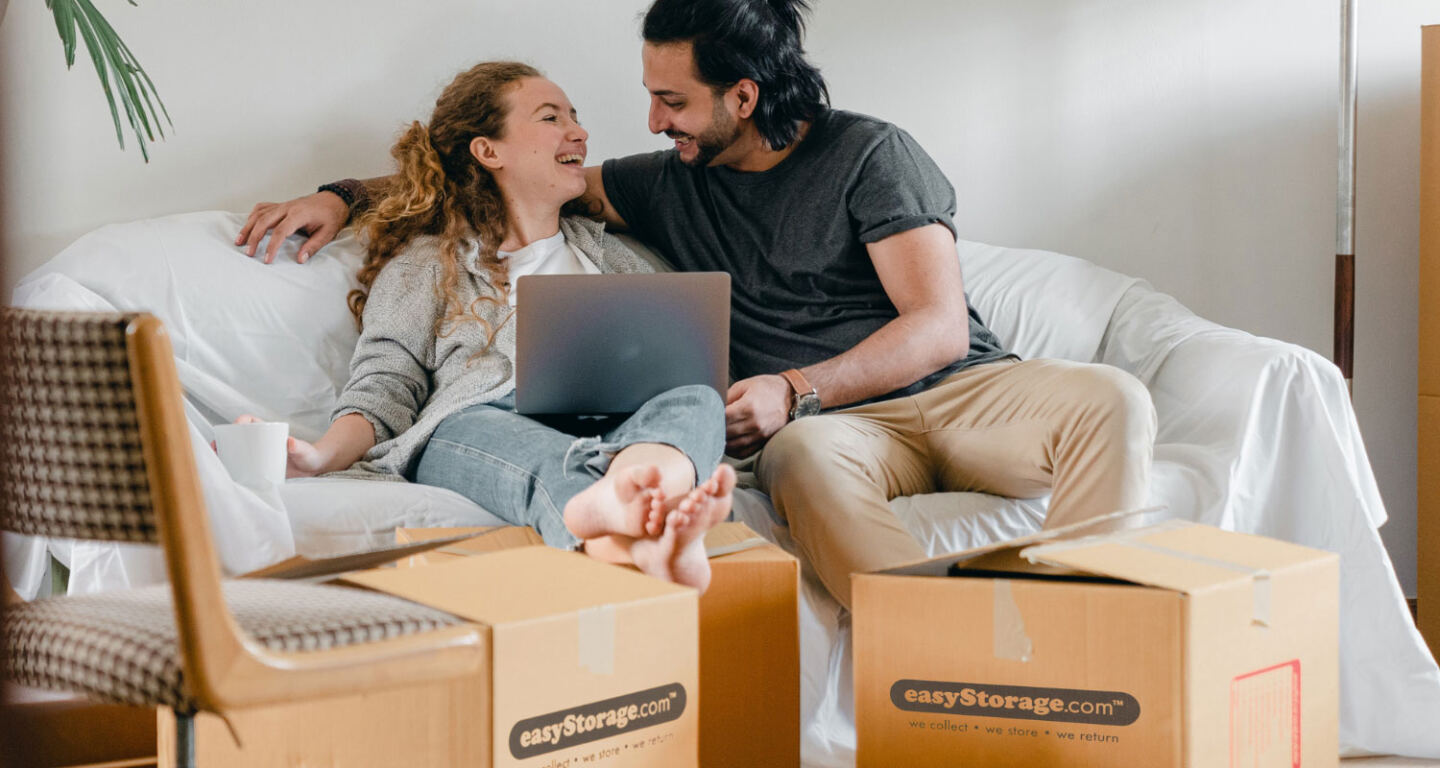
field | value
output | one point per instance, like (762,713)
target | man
(861,372)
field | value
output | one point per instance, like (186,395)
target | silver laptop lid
(597,344)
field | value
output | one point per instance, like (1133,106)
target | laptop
(604,344)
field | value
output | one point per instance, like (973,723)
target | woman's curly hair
(440,189)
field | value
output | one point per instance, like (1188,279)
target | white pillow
(250,532)
(1041,304)
(272,340)
(334,515)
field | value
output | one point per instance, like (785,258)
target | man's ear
(747,93)
(484,152)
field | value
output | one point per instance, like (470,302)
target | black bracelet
(341,189)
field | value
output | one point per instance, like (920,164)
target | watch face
(806,405)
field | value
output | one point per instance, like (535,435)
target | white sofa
(1254,435)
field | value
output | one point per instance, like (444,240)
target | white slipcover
(1255,435)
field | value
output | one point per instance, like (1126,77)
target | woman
(477,202)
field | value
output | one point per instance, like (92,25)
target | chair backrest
(71,460)
(95,446)
(97,395)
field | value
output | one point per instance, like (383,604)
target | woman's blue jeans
(524,471)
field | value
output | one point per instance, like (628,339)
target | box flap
(488,539)
(723,539)
(302,567)
(1116,521)
(729,538)
(516,585)
(1178,555)
(1007,563)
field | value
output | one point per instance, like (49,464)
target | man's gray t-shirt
(803,286)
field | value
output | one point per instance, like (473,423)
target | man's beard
(723,132)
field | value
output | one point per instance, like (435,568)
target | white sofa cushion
(271,340)
(1041,304)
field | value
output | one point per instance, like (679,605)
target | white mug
(254,453)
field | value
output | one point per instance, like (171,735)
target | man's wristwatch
(804,400)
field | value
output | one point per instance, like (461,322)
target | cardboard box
(749,639)
(444,724)
(1172,645)
(464,542)
(589,664)
(45,730)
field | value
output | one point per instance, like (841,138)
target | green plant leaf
(148,88)
(137,82)
(64,11)
(102,70)
(124,78)
(115,62)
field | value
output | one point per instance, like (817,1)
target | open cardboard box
(43,729)
(307,568)
(1165,645)
(588,664)
(749,638)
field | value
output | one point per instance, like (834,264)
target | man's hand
(755,409)
(320,216)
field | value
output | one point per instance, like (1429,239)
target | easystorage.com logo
(592,722)
(1059,705)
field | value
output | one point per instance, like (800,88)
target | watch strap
(797,381)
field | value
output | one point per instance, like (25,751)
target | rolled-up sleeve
(899,188)
(390,373)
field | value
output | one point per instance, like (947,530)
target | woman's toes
(646,476)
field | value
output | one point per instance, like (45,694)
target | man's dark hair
(755,39)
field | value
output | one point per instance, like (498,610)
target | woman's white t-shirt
(551,256)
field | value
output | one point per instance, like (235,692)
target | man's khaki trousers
(1084,433)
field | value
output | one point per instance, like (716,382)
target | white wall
(1190,142)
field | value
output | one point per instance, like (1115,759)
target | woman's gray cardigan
(405,380)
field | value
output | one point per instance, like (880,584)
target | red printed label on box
(1265,718)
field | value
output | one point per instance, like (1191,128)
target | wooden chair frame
(224,668)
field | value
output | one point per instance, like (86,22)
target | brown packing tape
(1010,641)
(596,630)
(1259,577)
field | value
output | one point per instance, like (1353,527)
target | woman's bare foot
(678,554)
(628,503)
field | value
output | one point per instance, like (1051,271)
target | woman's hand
(304,459)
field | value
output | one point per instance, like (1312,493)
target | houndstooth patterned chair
(93,445)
